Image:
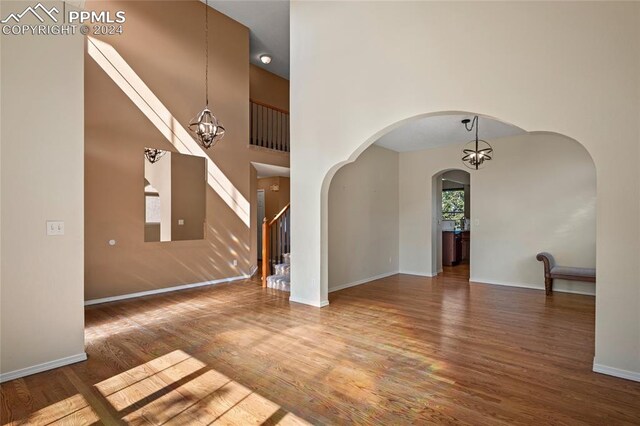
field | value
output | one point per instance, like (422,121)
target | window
(452,204)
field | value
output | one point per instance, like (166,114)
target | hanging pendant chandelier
(476,153)
(205,125)
(153,154)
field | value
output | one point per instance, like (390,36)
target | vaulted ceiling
(268,21)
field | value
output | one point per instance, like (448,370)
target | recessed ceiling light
(266,59)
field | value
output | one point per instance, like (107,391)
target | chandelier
(154,154)
(205,125)
(478,151)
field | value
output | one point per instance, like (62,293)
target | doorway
(452,205)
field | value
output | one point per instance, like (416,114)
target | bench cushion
(575,272)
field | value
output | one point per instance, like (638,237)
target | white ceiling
(439,130)
(268,21)
(269,170)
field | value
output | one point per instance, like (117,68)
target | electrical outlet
(235,262)
(55,228)
(180,222)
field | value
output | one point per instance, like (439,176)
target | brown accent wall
(163,43)
(188,197)
(274,201)
(269,88)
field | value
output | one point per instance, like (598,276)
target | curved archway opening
(538,194)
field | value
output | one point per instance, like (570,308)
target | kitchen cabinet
(451,248)
(466,245)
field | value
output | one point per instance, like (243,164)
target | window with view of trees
(453,204)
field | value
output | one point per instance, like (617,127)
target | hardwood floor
(400,350)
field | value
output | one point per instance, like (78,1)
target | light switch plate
(55,227)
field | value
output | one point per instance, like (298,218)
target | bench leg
(548,286)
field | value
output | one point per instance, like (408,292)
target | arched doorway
(565,225)
(451,227)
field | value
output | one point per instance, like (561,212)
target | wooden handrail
(266,241)
(284,111)
(279,215)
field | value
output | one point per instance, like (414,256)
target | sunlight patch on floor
(177,389)
(74,410)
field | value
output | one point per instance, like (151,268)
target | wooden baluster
(280,123)
(276,129)
(254,124)
(273,246)
(281,240)
(265,127)
(271,129)
(265,251)
(259,128)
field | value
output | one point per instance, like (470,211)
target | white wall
(363,219)
(42,278)
(538,194)
(562,67)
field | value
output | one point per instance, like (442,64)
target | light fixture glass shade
(153,154)
(266,59)
(476,153)
(206,128)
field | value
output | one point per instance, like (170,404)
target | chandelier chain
(206,53)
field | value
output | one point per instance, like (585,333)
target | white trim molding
(254,269)
(164,290)
(320,304)
(529,286)
(363,281)
(419,274)
(616,372)
(39,368)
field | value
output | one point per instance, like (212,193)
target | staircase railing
(276,241)
(269,126)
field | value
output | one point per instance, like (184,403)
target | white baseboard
(529,286)
(320,304)
(363,281)
(419,274)
(39,368)
(164,290)
(254,269)
(616,372)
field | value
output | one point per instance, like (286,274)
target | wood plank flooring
(400,350)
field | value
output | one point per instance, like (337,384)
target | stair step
(282,269)
(279,282)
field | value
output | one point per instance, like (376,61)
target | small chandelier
(153,154)
(478,151)
(205,125)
